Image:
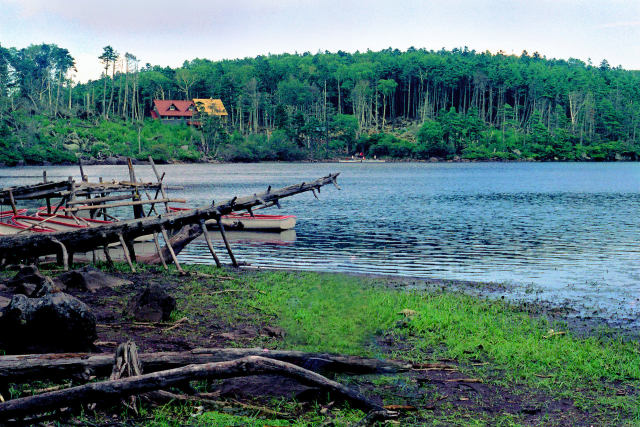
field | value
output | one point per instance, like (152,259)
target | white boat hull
(271,223)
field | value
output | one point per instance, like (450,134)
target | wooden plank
(100,200)
(116,205)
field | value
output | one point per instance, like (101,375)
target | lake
(552,231)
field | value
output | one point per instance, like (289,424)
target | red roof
(181,108)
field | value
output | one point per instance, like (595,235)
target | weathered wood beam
(207,239)
(167,243)
(100,200)
(226,242)
(34,191)
(120,204)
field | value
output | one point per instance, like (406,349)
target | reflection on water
(569,229)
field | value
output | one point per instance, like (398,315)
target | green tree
(108,56)
(387,87)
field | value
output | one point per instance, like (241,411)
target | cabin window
(172,108)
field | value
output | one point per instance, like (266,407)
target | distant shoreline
(119,161)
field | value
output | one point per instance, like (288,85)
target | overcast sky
(167,32)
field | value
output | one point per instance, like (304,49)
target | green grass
(337,313)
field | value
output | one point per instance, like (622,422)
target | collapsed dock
(177,227)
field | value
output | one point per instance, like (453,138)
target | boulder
(111,161)
(28,280)
(152,304)
(89,279)
(57,322)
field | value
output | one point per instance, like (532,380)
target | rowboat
(52,224)
(245,221)
(7,228)
(82,221)
(5,214)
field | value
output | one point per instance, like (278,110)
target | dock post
(226,242)
(207,238)
(126,253)
(165,236)
(155,240)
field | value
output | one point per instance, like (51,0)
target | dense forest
(419,104)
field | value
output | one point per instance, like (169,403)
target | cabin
(173,111)
(213,107)
(181,112)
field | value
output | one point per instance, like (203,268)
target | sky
(163,32)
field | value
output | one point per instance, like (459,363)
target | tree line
(406,104)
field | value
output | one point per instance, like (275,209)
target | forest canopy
(415,104)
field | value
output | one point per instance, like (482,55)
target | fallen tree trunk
(18,368)
(17,247)
(117,389)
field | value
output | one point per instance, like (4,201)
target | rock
(434,159)
(111,161)
(28,280)
(273,331)
(152,304)
(4,301)
(46,288)
(57,322)
(89,279)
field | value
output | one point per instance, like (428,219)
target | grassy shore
(524,369)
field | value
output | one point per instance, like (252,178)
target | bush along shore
(42,140)
(464,360)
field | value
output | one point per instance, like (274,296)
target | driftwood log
(17,247)
(117,389)
(19,368)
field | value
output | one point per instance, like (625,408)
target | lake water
(555,231)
